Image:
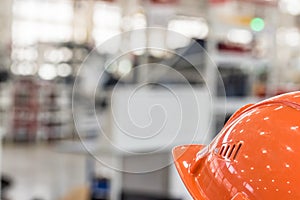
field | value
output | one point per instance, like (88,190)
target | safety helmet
(255,156)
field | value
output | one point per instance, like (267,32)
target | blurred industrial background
(253,43)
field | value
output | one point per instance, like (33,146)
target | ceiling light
(124,67)
(64,70)
(240,36)
(47,72)
(290,6)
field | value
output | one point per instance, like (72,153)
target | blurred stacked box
(25,109)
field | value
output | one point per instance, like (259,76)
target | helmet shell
(255,156)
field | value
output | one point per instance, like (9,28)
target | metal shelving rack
(248,63)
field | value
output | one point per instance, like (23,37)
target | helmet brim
(184,156)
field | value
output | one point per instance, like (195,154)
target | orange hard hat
(255,156)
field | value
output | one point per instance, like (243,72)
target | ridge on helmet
(255,155)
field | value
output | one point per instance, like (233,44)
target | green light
(257,24)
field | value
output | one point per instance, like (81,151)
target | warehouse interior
(94,94)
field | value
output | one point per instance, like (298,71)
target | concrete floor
(39,172)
